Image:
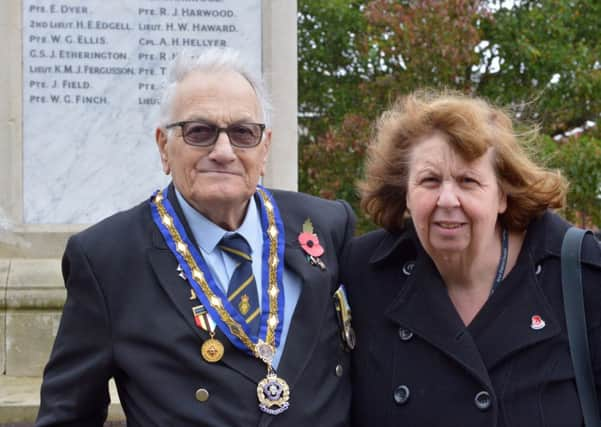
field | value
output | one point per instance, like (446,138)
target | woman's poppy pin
(309,242)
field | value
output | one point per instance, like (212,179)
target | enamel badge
(537,322)
(309,243)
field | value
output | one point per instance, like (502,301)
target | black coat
(417,365)
(128,316)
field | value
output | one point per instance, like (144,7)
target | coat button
(401,394)
(405,334)
(408,268)
(482,400)
(539,269)
(339,370)
(202,395)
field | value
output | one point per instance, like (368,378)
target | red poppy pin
(309,242)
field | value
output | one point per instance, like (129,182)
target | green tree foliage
(330,66)
(541,58)
(579,158)
(551,61)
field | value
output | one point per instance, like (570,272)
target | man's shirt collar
(208,234)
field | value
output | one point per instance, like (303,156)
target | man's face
(218,180)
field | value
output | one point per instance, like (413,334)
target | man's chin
(219,195)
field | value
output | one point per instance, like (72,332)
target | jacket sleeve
(75,385)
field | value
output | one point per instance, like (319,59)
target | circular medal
(212,350)
(273,394)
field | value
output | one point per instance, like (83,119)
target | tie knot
(237,246)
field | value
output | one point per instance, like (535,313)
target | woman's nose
(448,197)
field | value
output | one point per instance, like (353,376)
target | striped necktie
(242,290)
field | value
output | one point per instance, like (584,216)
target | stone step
(20,399)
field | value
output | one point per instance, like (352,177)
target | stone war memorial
(80,89)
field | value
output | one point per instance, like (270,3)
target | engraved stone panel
(91,70)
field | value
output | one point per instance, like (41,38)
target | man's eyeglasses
(203,134)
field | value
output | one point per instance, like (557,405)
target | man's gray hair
(212,59)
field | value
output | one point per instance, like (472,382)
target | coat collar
(393,244)
(549,230)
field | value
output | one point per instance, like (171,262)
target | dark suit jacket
(128,316)
(417,365)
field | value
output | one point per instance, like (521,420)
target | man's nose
(448,197)
(222,151)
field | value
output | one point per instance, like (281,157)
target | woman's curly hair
(471,126)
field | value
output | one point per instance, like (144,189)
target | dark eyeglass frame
(218,130)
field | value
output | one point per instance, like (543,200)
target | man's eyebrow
(245,119)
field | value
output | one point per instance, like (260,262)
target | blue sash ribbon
(231,322)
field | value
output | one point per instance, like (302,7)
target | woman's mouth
(449,225)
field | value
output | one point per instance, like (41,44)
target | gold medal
(273,394)
(212,350)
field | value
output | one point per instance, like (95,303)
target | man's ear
(266,145)
(161,139)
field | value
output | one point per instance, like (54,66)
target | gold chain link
(216,302)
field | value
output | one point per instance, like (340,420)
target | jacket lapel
(309,313)
(504,325)
(311,307)
(424,307)
(164,265)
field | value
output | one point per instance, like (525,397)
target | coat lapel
(164,265)
(311,307)
(503,326)
(309,313)
(424,307)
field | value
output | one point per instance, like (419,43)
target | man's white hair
(212,59)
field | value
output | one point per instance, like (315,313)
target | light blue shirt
(222,266)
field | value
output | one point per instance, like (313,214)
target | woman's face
(454,204)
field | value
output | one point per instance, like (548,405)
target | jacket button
(482,400)
(539,269)
(405,334)
(339,370)
(408,268)
(202,395)
(401,394)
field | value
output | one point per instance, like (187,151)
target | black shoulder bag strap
(571,282)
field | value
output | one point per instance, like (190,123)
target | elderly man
(216,302)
